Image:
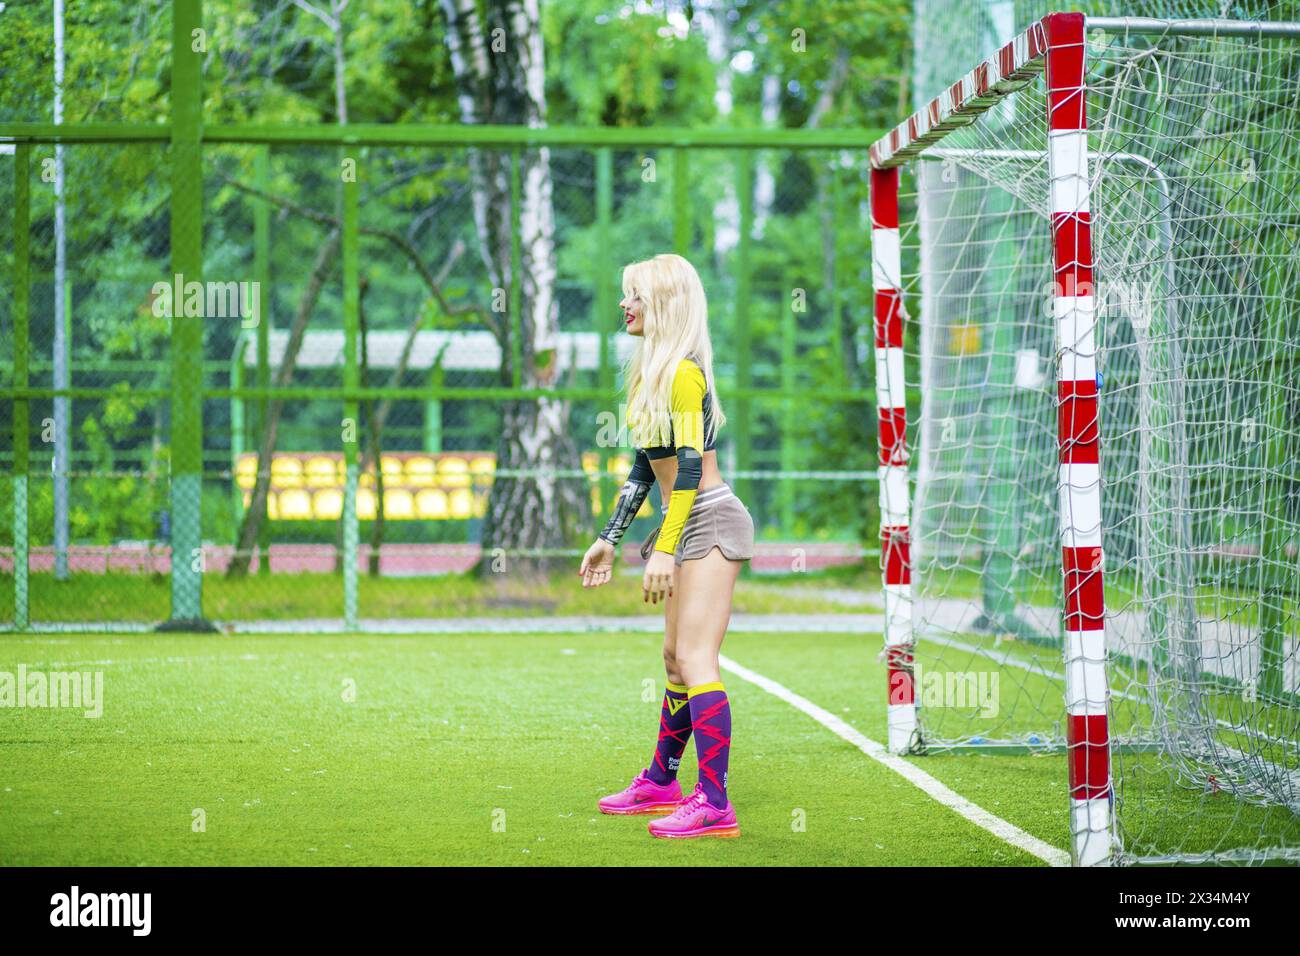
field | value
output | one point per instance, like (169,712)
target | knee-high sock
(674,731)
(711,719)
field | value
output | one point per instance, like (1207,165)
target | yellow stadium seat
(322,472)
(453,472)
(246,472)
(461,503)
(421,472)
(398,504)
(286,472)
(483,468)
(431,504)
(272,506)
(392,469)
(328,504)
(295,504)
(365,504)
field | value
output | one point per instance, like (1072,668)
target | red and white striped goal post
(1055,44)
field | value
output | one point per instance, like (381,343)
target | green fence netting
(415,380)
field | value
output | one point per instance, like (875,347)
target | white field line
(936,790)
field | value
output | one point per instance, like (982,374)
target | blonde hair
(676,327)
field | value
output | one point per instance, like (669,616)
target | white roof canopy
(467,351)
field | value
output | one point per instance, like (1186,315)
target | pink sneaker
(643,795)
(696,817)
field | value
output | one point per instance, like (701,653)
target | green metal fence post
(237,424)
(603,300)
(187,330)
(516,266)
(22,408)
(262,275)
(681,202)
(833,280)
(351,409)
(744,378)
(789,415)
(63,418)
(433,412)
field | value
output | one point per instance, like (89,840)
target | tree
(499,65)
(256,514)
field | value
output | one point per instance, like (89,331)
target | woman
(706,535)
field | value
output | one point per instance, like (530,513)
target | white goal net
(1193,207)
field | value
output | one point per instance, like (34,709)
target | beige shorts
(719,520)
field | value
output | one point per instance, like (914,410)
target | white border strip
(1007,832)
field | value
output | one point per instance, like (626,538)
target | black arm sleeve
(690,469)
(630,498)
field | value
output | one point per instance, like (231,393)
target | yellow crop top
(691,415)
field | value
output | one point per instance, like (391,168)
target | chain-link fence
(486,281)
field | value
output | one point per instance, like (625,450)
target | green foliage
(621,65)
(799,40)
(269,62)
(108,506)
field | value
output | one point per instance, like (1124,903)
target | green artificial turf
(492,749)
(481,749)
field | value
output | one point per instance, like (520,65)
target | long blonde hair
(676,327)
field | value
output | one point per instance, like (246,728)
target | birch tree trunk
(499,64)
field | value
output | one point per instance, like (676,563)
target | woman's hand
(660,575)
(597,564)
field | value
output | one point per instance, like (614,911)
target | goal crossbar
(1016,64)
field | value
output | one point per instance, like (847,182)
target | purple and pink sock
(674,731)
(711,721)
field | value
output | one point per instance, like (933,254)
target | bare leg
(704,596)
(675,714)
(703,607)
(671,667)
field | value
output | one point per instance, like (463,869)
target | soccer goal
(1086,266)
